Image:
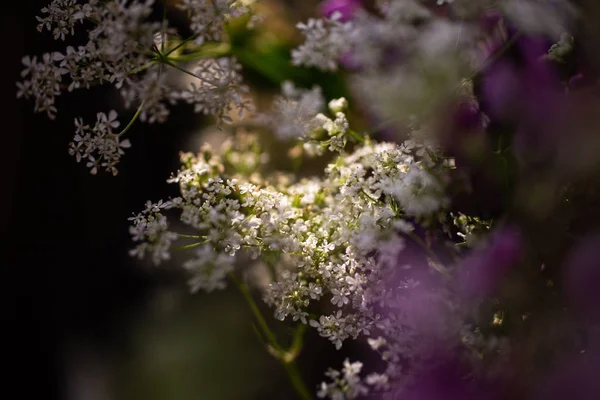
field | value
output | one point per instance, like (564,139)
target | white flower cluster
(339,237)
(293,113)
(98,144)
(346,384)
(407,58)
(326,41)
(44,82)
(296,115)
(130,51)
(150,228)
(219,89)
(207,17)
(62,16)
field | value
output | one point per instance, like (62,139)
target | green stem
(372,199)
(205,51)
(142,68)
(243,288)
(183,43)
(287,362)
(135,117)
(188,246)
(189,236)
(296,347)
(297,381)
(185,71)
(356,136)
(163,34)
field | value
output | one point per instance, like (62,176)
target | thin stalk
(135,117)
(189,236)
(142,68)
(205,51)
(183,43)
(188,246)
(185,71)
(287,362)
(356,136)
(164,27)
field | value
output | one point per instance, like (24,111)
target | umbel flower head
(98,144)
(337,237)
(127,49)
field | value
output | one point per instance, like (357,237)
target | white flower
(219,89)
(417,191)
(99,145)
(338,105)
(209,269)
(378,381)
(346,384)
(43,84)
(326,40)
(62,15)
(376,344)
(293,113)
(207,17)
(151,228)
(153,91)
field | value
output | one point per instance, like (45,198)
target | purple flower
(521,88)
(467,116)
(482,272)
(448,381)
(500,87)
(348,61)
(346,8)
(461,132)
(520,84)
(491,22)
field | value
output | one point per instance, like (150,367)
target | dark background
(67,278)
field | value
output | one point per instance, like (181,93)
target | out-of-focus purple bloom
(482,272)
(500,86)
(491,22)
(346,8)
(467,116)
(585,77)
(449,380)
(580,80)
(582,272)
(348,61)
(521,88)
(520,84)
(462,132)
